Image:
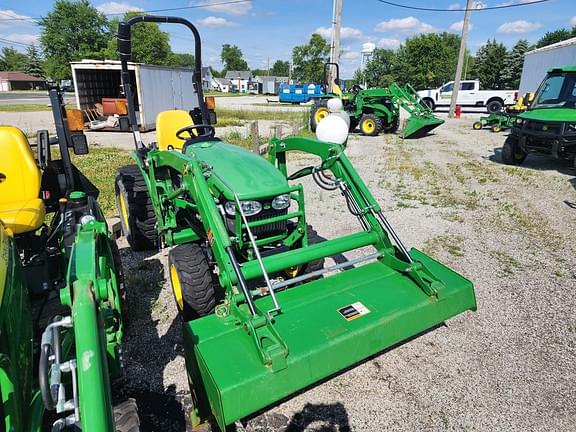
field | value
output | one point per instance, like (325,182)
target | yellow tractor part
(320,113)
(368,126)
(176,287)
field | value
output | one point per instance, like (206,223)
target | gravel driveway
(508,366)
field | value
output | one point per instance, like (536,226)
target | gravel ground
(508,366)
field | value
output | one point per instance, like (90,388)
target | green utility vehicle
(549,125)
(376,110)
(60,291)
(261,317)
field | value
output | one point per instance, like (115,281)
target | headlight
(571,128)
(519,121)
(250,208)
(281,202)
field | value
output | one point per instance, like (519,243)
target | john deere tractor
(264,313)
(375,110)
(60,290)
(549,125)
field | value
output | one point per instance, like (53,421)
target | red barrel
(458,111)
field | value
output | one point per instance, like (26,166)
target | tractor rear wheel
(193,281)
(135,209)
(126,417)
(318,111)
(512,154)
(370,125)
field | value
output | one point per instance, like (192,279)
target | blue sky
(269,29)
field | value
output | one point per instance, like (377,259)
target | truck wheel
(135,209)
(429,103)
(370,125)
(126,417)
(512,154)
(318,111)
(193,282)
(494,106)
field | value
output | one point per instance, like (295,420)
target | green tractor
(376,110)
(549,125)
(264,314)
(60,291)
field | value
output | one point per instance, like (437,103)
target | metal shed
(158,88)
(538,61)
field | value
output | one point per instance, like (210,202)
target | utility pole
(336,25)
(469,5)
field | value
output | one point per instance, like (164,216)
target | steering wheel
(205,127)
(356,88)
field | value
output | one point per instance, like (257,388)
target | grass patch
(221,94)
(508,263)
(278,104)
(226,116)
(25,107)
(451,243)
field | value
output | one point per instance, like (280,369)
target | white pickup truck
(469,95)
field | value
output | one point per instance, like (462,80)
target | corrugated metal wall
(536,65)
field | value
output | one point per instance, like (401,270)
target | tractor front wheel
(135,209)
(126,417)
(317,113)
(477,125)
(496,128)
(370,125)
(193,281)
(512,154)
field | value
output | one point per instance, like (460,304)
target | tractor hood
(550,115)
(246,173)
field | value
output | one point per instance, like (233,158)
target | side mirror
(43,148)
(79,143)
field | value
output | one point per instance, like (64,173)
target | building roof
(19,76)
(561,44)
(238,75)
(222,81)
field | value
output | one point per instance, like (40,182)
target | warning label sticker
(353,311)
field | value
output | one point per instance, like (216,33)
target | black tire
(496,128)
(512,154)
(320,105)
(392,127)
(353,124)
(313,238)
(135,209)
(126,417)
(429,103)
(477,125)
(494,106)
(370,125)
(197,282)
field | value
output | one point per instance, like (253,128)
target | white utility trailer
(538,61)
(158,88)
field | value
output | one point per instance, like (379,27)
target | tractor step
(328,325)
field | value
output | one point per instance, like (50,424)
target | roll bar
(125,52)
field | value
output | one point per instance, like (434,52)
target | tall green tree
(381,68)
(280,68)
(489,65)
(427,60)
(33,64)
(12,60)
(181,60)
(72,30)
(555,36)
(309,59)
(513,64)
(231,57)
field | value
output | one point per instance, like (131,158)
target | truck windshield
(557,91)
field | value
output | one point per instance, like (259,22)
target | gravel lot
(508,366)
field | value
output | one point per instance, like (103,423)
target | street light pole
(469,5)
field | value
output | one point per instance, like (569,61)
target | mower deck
(328,325)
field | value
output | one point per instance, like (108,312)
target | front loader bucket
(418,126)
(328,325)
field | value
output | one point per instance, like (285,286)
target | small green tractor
(262,318)
(376,110)
(505,119)
(549,125)
(60,291)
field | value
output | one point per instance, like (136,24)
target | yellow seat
(21,209)
(336,89)
(167,124)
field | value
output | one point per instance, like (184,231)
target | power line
(9,41)
(205,5)
(463,10)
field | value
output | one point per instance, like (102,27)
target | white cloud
(454,6)
(519,26)
(9,18)
(408,25)
(457,26)
(115,8)
(388,43)
(213,21)
(573,21)
(349,54)
(22,38)
(230,8)
(345,33)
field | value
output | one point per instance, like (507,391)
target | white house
(239,80)
(207,78)
(221,84)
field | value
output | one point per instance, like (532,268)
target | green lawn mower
(60,291)
(373,111)
(505,119)
(264,313)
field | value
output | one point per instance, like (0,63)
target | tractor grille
(544,128)
(263,230)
